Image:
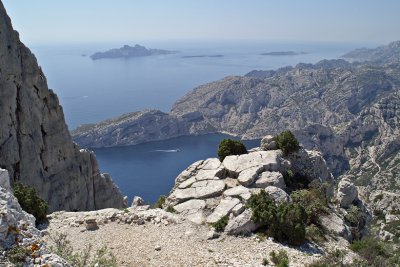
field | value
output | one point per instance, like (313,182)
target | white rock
(248,176)
(137,201)
(201,189)
(223,209)
(268,143)
(190,206)
(347,193)
(270,179)
(268,160)
(277,194)
(238,209)
(236,191)
(335,224)
(241,224)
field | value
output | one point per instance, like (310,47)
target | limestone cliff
(35,145)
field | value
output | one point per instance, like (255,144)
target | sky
(90,21)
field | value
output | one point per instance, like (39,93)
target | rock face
(17,228)
(347,193)
(35,145)
(205,192)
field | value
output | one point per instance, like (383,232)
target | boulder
(91,224)
(137,201)
(269,143)
(241,225)
(190,206)
(248,176)
(200,189)
(277,194)
(270,179)
(333,223)
(236,191)
(223,209)
(347,193)
(267,160)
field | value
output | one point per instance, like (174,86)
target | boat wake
(167,150)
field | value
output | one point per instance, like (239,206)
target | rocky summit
(35,145)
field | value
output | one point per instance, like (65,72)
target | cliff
(35,145)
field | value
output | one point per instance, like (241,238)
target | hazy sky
(78,21)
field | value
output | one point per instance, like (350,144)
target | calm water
(91,91)
(149,170)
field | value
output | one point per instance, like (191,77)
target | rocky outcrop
(17,229)
(210,190)
(35,145)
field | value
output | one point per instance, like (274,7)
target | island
(131,51)
(283,53)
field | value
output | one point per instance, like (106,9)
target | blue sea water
(90,91)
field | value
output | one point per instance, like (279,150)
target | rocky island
(131,51)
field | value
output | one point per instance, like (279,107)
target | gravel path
(176,244)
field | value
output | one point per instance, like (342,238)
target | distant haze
(73,21)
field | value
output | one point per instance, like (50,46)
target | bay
(90,91)
(149,170)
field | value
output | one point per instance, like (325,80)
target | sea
(91,91)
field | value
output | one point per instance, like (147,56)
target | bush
(292,220)
(315,234)
(376,253)
(170,209)
(229,147)
(314,202)
(280,259)
(63,248)
(287,142)
(160,202)
(17,255)
(31,202)
(220,225)
(331,259)
(285,222)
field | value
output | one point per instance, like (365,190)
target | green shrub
(292,220)
(31,202)
(160,202)
(331,259)
(63,248)
(265,262)
(280,259)
(170,209)
(220,225)
(17,255)
(229,147)
(287,142)
(286,222)
(355,217)
(315,234)
(314,202)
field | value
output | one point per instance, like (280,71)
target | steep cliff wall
(35,145)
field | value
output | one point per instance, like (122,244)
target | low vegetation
(287,142)
(372,253)
(160,202)
(220,225)
(229,147)
(280,259)
(17,255)
(286,222)
(31,202)
(85,258)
